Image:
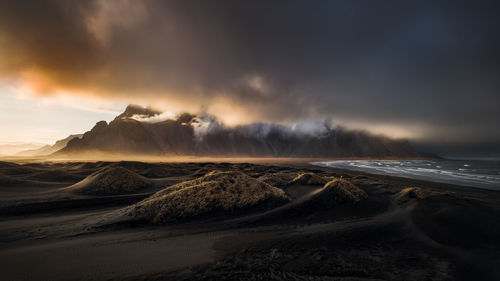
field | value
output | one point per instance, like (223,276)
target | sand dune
(54,175)
(410,193)
(216,193)
(279,179)
(342,191)
(453,220)
(111,180)
(309,179)
(231,221)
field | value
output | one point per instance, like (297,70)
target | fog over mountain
(425,70)
(140,131)
(48,149)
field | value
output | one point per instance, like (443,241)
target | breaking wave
(476,173)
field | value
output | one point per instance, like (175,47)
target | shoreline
(437,175)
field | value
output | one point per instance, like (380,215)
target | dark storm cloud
(432,63)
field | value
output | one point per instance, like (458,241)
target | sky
(423,70)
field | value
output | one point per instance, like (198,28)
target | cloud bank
(427,64)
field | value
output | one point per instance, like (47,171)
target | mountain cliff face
(198,136)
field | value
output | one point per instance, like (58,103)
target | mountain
(132,133)
(13,149)
(48,149)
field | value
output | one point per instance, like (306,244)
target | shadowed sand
(274,220)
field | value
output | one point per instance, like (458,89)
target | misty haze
(249,140)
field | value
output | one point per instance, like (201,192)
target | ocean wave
(485,175)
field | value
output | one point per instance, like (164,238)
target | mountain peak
(137,110)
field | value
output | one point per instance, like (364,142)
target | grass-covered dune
(308,179)
(111,181)
(216,193)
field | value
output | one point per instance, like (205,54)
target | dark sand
(435,232)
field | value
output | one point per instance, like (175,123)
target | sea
(474,173)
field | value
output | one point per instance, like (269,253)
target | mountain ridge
(49,149)
(192,135)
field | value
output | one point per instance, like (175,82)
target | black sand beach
(63,221)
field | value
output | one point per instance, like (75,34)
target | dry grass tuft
(309,179)
(409,193)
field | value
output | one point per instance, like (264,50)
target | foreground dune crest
(216,193)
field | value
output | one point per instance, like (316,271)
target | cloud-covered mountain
(133,132)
